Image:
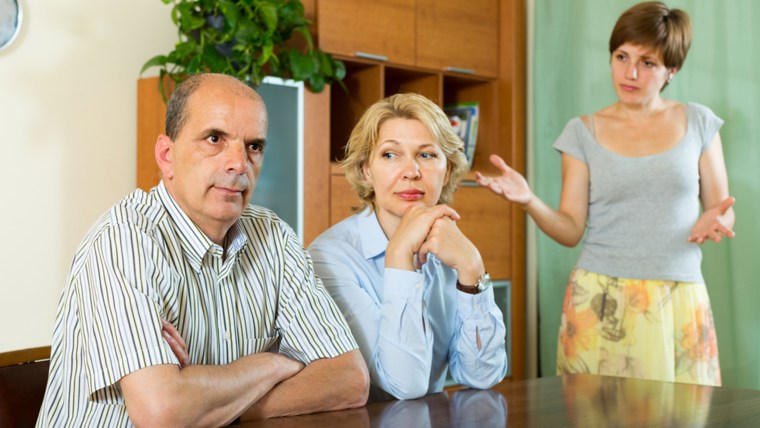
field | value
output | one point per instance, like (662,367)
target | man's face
(212,166)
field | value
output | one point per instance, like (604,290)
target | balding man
(187,306)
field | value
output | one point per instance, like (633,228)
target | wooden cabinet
(368,81)
(486,220)
(421,38)
(450,35)
(485,36)
(459,35)
(369,28)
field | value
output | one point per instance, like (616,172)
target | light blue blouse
(410,326)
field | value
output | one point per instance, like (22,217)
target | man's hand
(175,341)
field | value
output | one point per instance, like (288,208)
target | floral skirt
(646,329)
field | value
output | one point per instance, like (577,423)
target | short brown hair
(363,140)
(652,24)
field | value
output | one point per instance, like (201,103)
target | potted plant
(249,39)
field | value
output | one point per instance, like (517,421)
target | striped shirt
(144,261)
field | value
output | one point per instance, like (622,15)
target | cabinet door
(486,222)
(343,200)
(458,35)
(383,28)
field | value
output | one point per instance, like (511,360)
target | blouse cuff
(402,284)
(475,305)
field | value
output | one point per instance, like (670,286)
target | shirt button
(227,335)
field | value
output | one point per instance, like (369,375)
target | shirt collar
(195,243)
(374,241)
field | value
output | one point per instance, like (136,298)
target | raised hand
(176,343)
(710,224)
(510,184)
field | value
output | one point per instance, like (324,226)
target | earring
(670,77)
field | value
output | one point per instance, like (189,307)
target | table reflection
(349,418)
(608,401)
(462,408)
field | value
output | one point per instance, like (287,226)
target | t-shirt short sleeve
(707,123)
(570,141)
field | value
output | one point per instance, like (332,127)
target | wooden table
(566,401)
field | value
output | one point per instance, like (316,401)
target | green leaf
(316,83)
(231,14)
(214,61)
(325,63)
(301,66)
(186,48)
(340,70)
(269,15)
(245,38)
(307,36)
(156,61)
(195,65)
(266,54)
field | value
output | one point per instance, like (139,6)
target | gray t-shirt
(642,209)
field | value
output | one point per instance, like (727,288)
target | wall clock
(10,22)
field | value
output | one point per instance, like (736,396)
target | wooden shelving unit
(487,40)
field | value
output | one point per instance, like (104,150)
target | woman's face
(638,74)
(407,167)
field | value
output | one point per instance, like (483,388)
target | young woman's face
(638,73)
(407,167)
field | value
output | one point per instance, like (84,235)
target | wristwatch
(483,284)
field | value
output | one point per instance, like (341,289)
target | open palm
(510,184)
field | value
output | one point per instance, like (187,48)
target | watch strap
(484,282)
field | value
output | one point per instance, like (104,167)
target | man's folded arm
(202,395)
(326,384)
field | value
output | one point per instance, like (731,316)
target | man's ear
(165,156)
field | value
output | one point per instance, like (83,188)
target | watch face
(484,283)
(10,22)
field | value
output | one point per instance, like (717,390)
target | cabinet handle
(371,56)
(469,183)
(460,70)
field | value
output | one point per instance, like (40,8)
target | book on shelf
(464,120)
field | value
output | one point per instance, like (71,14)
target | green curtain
(571,76)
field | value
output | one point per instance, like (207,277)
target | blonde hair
(364,136)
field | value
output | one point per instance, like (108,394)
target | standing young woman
(633,176)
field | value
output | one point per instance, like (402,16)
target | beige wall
(67,136)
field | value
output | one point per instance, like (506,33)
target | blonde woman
(411,285)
